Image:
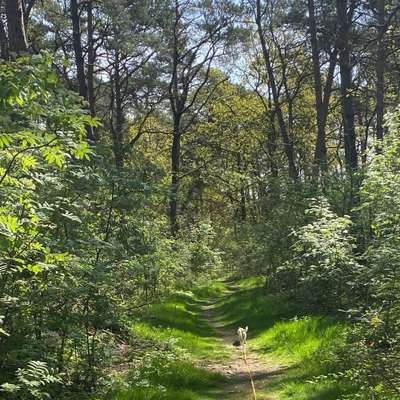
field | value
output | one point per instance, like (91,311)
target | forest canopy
(149,148)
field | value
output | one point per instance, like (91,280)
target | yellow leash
(249,371)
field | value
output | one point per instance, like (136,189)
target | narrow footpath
(238,385)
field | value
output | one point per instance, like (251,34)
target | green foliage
(298,339)
(375,339)
(263,246)
(92,283)
(33,381)
(163,371)
(82,246)
(42,133)
(322,268)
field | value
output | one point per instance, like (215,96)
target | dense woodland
(149,146)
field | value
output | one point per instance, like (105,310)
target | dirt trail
(238,385)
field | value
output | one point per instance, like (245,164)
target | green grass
(178,326)
(152,394)
(301,344)
(295,340)
(178,379)
(251,306)
(180,320)
(278,330)
(210,291)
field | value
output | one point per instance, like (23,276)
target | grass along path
(195,330)
(238,384)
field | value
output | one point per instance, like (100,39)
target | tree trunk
(3,42)
(91,61)
(175,169)
(16,27)
(287,144)
(242,191)
(79,59)
(320,147)
(322,94)
(177,106)
(271,138)
(380,69)
(119,115)
(346,86)
(271,147)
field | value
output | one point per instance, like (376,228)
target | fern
(33,381)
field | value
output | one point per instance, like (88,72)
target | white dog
(242,334)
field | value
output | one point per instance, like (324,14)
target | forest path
(238,384)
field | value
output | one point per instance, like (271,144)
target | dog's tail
(246,329)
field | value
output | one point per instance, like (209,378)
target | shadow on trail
(218,313)
(254,308)
(278,328)
(184,313)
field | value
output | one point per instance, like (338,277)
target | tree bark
(175,170)
(3,42)
(287,144)
(320,147)
(78,50)
(17,40)
(346,85)
(243,211)
(79,58)
(119,115)
(91,61)
(380,69)
(271,138)
(322,93)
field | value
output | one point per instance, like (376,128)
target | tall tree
(79,57)
(196,40)
(380,67)
(286,140)
(345,11)
(91,59)
(17,39)
(3,41)
(322,93)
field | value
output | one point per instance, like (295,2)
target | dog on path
(242,336)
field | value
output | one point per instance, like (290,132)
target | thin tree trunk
(380,69)
(346,85)
(271,138)
(3,42)
(177,105)
(79,59)
(17,40)
(243,213)
(287,144)
(320,147)
(119,115)
(91,61)
(322,94)
(271,147)
(175,169)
